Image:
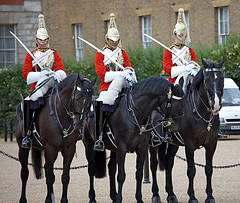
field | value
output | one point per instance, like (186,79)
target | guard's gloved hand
(47,72)
(57,76)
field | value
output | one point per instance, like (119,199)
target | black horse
(57,126)
(199,128)
(128,124)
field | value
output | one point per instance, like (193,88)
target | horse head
(172,108)
(213,84)
(81,100)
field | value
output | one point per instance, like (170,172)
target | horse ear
(204,63)
(94,81)
(221,62)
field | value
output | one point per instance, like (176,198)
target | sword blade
(182,59)
(99,50)
(28,51)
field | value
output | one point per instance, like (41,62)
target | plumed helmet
(42,31)
(181,26)
(112,32)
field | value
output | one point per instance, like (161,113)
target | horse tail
(100,164)
(37,162)
(162,156)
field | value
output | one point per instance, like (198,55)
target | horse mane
(197,80)
(153,84)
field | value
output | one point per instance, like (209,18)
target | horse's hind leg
(68,154)
(50,155)
(209,171)
(23,158)
(112,168)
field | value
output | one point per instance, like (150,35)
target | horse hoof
(210,200)
(156,199)
(193,201)
(172,199)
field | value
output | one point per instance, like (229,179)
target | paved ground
(226,182)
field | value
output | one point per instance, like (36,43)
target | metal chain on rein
(84,166)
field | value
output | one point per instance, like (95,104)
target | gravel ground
(226,182)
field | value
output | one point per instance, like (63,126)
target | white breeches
(109,96)
(41,91)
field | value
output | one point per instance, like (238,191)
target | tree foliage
(146,62)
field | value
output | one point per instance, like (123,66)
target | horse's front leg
(210,150)
(23,158)
(191,172)
(171,152)
(112,168)
(67,153)
(121,173)
(153,166)
(50,155)
(141,156)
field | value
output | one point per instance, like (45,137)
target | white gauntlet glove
(59,75)
(47,72)
(126,73)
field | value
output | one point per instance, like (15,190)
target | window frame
(79,46)
(146,29)
(8,63)
(223,23)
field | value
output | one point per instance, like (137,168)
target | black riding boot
(26,141)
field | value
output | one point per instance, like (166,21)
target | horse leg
(121,173)
(191,172)
(90,154)
(67,154)
(171,152)
(210,150)
(112,168)
(153,166)
(23,158)
(141,156)
(50,155)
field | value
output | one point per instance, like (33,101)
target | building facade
(209,21)
(21,18)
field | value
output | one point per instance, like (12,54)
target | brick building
(209,21)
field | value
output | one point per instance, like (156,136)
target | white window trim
(225,19)
(145,40)
(79,51)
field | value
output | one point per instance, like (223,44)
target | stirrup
(167,138)
(26,142)
(99,146)
(156,141)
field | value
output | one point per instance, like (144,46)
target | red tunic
(168,64)
(27,67)
(101,69)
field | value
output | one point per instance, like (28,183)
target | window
(146,29)
(7,46)
(78,42)
(223,24)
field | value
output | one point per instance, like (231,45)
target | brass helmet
(42,31)
(181,26)
(112,32)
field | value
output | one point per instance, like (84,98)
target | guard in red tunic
(111,75)
(172,64)
(176,66)
(41,73)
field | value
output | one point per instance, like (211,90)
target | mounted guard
(41,68)
(113,76)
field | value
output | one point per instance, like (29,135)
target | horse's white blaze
(216,98)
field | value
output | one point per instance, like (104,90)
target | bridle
(208,106)
(70,112)
(167,120)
